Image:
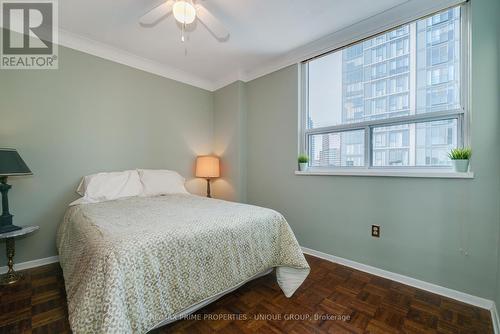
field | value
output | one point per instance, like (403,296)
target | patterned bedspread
(129,264)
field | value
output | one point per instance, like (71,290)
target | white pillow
(109,186)
(161,182)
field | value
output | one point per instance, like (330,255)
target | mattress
(133,264)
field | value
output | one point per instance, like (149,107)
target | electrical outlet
(376,231)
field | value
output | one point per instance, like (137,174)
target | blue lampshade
(12,164)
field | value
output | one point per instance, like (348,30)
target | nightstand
(12,276)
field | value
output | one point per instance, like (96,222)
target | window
(395,100)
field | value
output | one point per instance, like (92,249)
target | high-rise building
(438,83)
(412,69)
(377,76)
(376,84)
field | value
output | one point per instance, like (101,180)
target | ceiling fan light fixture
(184,11)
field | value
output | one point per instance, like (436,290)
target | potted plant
(303,161)
(460,159)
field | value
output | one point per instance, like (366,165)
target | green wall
(492,15)
(425,222)
(93,115)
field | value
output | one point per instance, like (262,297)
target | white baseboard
(440,290)
(450,293)
(31,264)
(495,319)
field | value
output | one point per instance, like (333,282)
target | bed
(134,264)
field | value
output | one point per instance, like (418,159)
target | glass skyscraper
(412,69)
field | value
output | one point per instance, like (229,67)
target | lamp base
(208,189)
(6,218)
(10,278)
(9,228)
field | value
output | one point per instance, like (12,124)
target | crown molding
(388,19)
(233,77)
(87,45)
(108,52)
(400,14)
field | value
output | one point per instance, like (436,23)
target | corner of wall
(497,296)
(229,118)
(243,142)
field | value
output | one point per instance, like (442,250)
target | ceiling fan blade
(211,23)
(153,16)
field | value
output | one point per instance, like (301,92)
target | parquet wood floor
(333,299)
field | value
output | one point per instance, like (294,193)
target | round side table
(12,276)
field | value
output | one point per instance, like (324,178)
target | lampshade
(12,164)
(207,166)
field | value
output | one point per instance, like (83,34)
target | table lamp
(11,164)
(207,167)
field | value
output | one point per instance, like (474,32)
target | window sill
(391,173)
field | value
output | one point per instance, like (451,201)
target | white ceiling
(261,30)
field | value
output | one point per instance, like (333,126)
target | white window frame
(462,115)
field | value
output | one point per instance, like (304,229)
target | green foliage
(303,159)
(460,153)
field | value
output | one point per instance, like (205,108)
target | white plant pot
(461,166)
(303,166)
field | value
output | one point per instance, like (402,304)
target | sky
(325,90)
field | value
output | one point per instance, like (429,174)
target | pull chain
(183,38)
(183,29)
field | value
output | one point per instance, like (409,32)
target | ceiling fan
(186,12)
